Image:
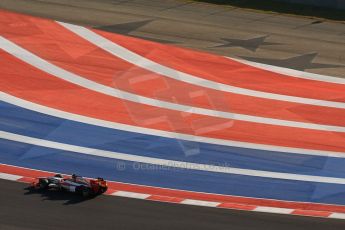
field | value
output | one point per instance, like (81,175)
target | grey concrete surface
(24,210)
(209,28)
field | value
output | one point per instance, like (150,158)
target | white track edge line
(273,210)
(130,194)
(11,177)
(291,72)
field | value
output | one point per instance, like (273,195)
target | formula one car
(75,184)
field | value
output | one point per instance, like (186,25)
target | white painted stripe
(6,176)
(119,126)
(145,63)
(168,163)
(291,72)
(131,194)
(58,72)
(200,203)
(337,216)
(273,210)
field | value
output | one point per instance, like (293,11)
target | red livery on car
(75,184)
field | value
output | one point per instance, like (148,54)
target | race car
(75,184)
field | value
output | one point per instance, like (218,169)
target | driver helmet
(74,176)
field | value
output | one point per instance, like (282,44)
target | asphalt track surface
(22,209)
(34,211)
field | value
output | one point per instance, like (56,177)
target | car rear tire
(86,192)
(103,190)
(43,184)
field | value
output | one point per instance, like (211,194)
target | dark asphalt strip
(22,209)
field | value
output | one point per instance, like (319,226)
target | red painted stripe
(237,206)
(165,199)
(29,173)
(26,179)
(226,71)
(311,213)
(110,191)
(158,193)
(69,51)
(24,81)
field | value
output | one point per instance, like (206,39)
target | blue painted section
(14,153)
(25,122)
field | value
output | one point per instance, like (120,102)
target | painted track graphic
(76,100)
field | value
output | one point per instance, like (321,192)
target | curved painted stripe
(167,163)
(114,125)
(74,54)
(292,72)
(50,68)
(23,80)
(145,63)
(20,121)
(225,71)
(175,178)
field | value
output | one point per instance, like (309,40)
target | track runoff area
(168,124)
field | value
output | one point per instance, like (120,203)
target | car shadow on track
(54,195)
